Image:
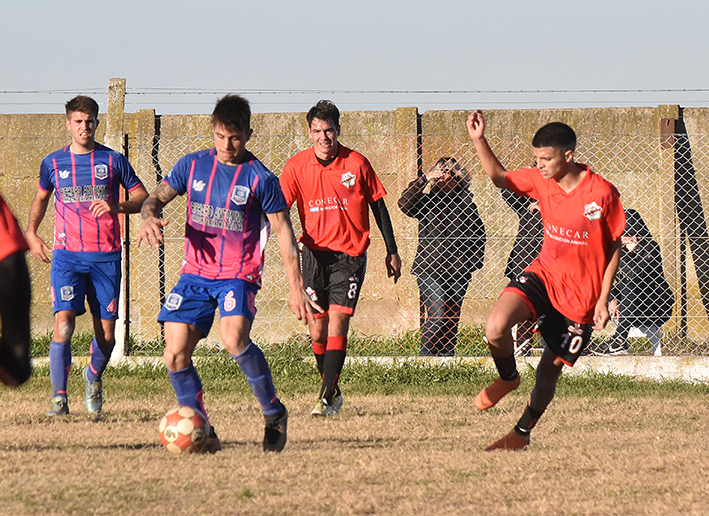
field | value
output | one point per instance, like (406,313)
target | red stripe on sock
(319,347)
(339,343)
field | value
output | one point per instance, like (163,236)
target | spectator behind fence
(641,297)
(451,245)
(528,243)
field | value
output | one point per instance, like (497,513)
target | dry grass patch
(398,454)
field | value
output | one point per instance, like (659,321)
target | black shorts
(332,279)
(565,338)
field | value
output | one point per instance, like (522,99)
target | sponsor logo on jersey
(66,293)
(101,171)
(64,173)
(347,180)
(592,211)
(240,195)
(198,185)
(173,301)
(314,209)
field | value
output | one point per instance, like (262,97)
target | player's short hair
(325,110)
(232,112)
(82,104)
(557,135)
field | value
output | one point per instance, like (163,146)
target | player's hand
(600,316)
(38,247)
(99,208)
(393,265)
(302,306)
(613,309)
(151,232)
(476,125)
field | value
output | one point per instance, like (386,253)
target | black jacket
(451,238)
(530,234)
(641,288)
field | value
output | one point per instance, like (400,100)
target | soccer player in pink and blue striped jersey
(232,202)
(85,178)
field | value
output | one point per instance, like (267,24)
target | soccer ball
(184,430)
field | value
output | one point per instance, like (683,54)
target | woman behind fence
(451,245)
(641,297)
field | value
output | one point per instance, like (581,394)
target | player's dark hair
(232,112)
(82,104)
(557,135)
(327,111)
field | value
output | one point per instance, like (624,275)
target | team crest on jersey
(347,180)
(592,211)
(198,185)
(63,174)
(101,171)
(240,195)
(173,301)
(66,293)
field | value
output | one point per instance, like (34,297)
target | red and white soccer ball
(184,430)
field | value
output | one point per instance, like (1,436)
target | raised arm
(298,301)
(151,213)
(491,165)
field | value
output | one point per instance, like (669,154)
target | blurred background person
(451,246)
(641,297)
(15,298)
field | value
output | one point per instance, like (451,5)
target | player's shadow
(690,213)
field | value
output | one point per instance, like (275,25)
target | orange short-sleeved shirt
(333,201)
(579,227)
(11,238)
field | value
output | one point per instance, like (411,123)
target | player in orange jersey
(567,286)
(335,187)
(15,297)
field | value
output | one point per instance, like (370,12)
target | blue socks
(188,388)
(254,365)
(59,366)
(97,362)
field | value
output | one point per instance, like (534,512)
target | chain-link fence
(659,303)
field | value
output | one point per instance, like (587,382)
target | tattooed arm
(151,213)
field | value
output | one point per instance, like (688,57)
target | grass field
(408,442)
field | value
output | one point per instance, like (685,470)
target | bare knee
(496,328)
(176,360)
(63,328)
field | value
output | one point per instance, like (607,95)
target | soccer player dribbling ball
(568,284)
(335,187)
(232,202)
(85,177)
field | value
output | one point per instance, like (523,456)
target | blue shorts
(94,277)
(194,301)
